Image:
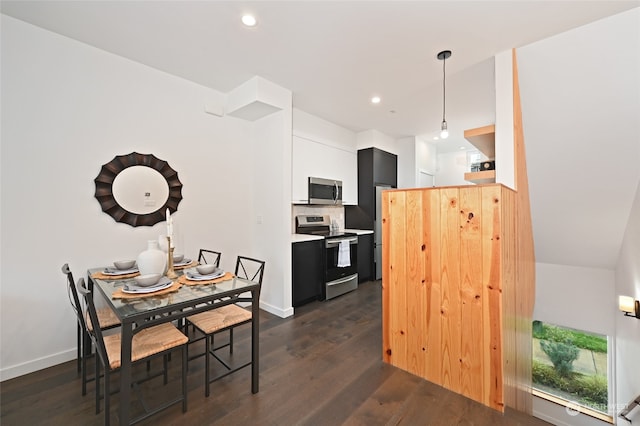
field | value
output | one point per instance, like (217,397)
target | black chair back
(210,257)
(250,269)
(96,333)
(73,296)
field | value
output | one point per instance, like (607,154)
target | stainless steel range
(340,254)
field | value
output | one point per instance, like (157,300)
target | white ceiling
(334,56)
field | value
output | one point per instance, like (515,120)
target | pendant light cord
(444,87)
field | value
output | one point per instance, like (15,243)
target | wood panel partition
(458,284)
(448,269)
(520,373)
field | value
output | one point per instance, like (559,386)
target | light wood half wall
(458,285)
(525,264)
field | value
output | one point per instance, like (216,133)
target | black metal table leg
(125,372)
(255,340)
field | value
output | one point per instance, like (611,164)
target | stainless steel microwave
(325,191)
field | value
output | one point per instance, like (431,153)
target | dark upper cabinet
(375,167)
(385,168)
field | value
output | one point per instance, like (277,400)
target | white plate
(195,276)
(134,289)
(115,272)
(183,262)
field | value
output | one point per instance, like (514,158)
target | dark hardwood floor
(322,366)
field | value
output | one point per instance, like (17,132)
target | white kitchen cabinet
(316,159)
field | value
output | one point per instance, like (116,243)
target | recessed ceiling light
(462,147)
(375,100)
(249,20)
(435,138)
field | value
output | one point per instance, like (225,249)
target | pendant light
(443,56)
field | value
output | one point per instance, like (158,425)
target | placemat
(119,294)
(102,276)
(188,265)
(183,280)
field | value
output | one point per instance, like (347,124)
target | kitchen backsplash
(334,212)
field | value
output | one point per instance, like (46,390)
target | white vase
(152,260)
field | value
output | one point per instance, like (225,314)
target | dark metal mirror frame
(104,189)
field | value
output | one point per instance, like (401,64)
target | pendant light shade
(443,56)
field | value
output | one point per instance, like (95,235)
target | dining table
(184,298)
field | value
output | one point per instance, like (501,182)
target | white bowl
(124,264)
(178,257)
(205,269)
(147,280)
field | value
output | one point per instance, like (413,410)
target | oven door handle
(334,243)
(342,281)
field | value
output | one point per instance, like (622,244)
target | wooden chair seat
(219,319)
(148,342)
(226,318)
(106,317)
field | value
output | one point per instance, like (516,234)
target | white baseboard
(17,370)
(7,373)
(282,313)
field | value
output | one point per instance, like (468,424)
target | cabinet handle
(342,281)
(335,243)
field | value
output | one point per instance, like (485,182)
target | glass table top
(187,295)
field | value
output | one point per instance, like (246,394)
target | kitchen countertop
(360,231)
(298,238)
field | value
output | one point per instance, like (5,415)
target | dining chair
(146,344)
(205,256)
(106,318)
(209,256)
(224,318)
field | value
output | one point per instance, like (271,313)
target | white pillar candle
(171,232)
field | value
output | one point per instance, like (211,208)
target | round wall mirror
(137,189)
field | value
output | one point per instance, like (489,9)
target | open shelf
(483,138)
(486,176)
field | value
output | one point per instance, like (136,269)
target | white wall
(271,190)
(68,108)
(505,150)
(426,156)
(576,297)
(451,168)
(376,139)
(315,128)
(407,162)
(414,155)
(628,329)
(580,107)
